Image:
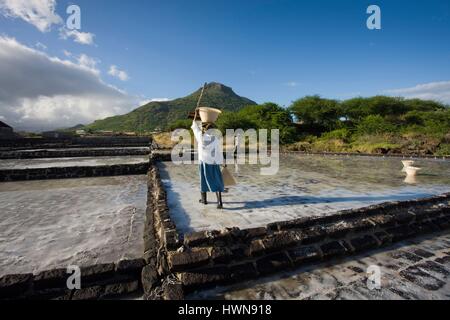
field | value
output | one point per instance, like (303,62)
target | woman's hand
(197,113)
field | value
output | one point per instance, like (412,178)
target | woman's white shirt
(210,150)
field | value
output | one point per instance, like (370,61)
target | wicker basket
(209,115)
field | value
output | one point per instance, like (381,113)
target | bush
(340,134)
(180,124)
(319,112)
(330,145)
(266,116)
(232,120)
(374,124)
(444,150)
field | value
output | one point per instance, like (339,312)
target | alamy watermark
(374,20)
(73,21)
(74,280)
(243,147)
(374,277)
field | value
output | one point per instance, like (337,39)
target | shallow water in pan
(50,224)
(304,185)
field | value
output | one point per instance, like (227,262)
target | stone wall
(161,155)
(75,142)
(73,172)
(101,281)
(403,156)
(73,153)
(164,155)
(199,260)
(210,258)
(159,235)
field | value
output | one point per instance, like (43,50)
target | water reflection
(410,179)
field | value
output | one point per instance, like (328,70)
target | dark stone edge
(73,142)
(212,274)
(72,153)
(160,237)
(111,279)
(72,172)
(166,156)
(378,155)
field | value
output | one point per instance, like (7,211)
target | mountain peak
(217,87)
(161,114)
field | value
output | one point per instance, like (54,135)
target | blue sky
(265,50)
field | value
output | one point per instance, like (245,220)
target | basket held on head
(209,115)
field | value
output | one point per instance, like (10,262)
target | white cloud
(115,72)
(439,91)
(39,13)
(40,46)
(42,92)
(67,53)
(86,38)
(292,84)
(42,15)
(146,101)
(89,63)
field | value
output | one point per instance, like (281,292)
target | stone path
(414,269)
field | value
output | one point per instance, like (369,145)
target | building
(129,134)
(80,132)
(106,133)
(6,131)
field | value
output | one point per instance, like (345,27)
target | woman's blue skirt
(210,178)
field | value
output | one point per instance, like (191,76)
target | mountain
(159,114)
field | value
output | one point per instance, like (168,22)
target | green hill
(161,114)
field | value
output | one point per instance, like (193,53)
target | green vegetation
(377,124)
(180,124)
(317,114)
(266,116)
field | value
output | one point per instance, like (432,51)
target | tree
(356,109)
(323,114)
(232,120)
(375,124)
(180,124)
(265,116)
(424,105)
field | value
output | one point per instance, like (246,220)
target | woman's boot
(203,198)
(219,200)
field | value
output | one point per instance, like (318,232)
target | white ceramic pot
(411,171)
(407,163)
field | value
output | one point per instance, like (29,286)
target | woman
(210,158)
